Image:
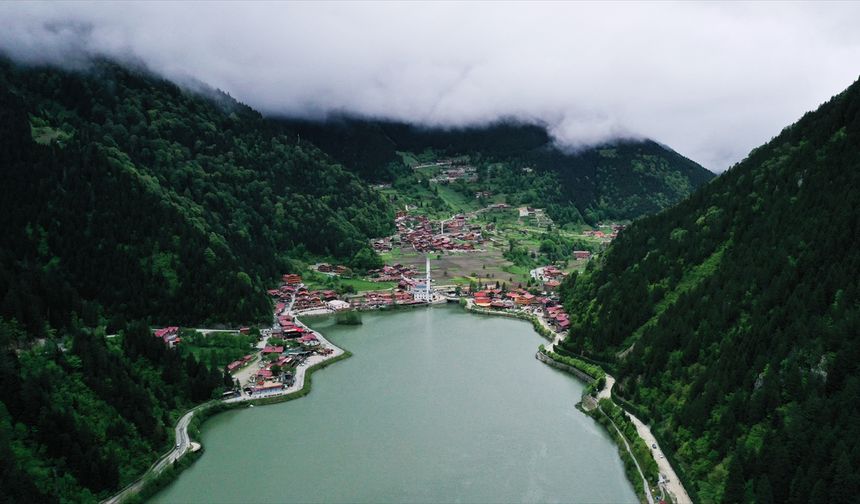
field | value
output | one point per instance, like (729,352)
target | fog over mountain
(590,72)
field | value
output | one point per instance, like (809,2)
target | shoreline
(672,488)
(299,382)
(169,466)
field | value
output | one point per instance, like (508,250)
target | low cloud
(710,80)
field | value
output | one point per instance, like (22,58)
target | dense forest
(152,201)
(127,201)
(733,319)
(623,180)
(82,415)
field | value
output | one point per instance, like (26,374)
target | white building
(424,291)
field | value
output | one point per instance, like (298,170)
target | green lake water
(436,405)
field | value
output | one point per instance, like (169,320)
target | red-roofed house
(169,335)
(309,339)
(266,388)
(292,279)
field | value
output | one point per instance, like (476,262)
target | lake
(435,405)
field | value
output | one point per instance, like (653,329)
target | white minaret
(427,258)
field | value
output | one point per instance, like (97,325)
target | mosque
(424,291)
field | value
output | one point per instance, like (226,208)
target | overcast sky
(710,80)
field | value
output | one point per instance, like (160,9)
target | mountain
(125,192)
(732,320)
(622,180)
(128,200)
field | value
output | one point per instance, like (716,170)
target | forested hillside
(128,200)
(124,191)
(733,319)
(624,180)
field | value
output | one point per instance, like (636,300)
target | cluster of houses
(402,295)
(327,268)
(382,245)
(169,335)
(616,228)
(287,328)
(519,299)
(551,277)
(305,300)
(391,273)
(465,172)
(506,300)
(274,375)
(239,363)
(538,214)
(557,317)
(581,255)
(419,231)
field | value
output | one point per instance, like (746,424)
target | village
(284,350)
(458,245)
(419,233)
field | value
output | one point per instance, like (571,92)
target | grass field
(318,281)
(216,349)
(44,135)
(458,202)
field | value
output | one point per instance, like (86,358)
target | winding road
(183,444)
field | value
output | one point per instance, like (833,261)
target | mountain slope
(733,319)
(624,180)
(127,200)
(156,202)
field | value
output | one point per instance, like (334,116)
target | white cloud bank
(710,80)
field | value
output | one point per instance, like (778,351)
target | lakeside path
(183,441)
(183,445)
(671,484)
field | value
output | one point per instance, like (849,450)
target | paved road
(627,445)
(183,444)
(673,486)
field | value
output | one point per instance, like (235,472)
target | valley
(173,261)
